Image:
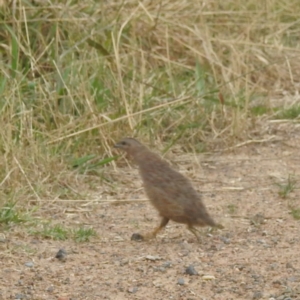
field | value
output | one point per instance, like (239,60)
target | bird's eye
(124,143)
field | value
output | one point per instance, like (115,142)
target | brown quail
(169,191)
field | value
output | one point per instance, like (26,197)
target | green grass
(75,78)
(292,112)
(286,188)
(295,212)
(231,208)
(9,214)
(84,234)
(60,232)
(55,232)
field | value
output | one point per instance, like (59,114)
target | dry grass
(75,77)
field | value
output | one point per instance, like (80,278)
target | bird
(171,193)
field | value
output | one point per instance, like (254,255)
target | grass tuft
(295,212)
(9,214)
(231,208)
(55,232)
(84,234)
(286,188)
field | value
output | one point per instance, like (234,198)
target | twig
(29,183)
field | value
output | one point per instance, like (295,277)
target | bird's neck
(142,156)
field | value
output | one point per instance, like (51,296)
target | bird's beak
(117,145)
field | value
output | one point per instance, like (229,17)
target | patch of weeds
(84,234)
(260,110)
(9,214)
(286,188)
(291,113)
(89,163)
(56,232)
(295,212)
(231,208)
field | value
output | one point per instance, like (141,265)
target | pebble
(225,240)
(160,269)
(167,264)
(61,254)
(153,258)
(208,277)
(20,296)
(132,290)
(273,266)
(255,277)
(157,283)
(293,279)
(50,289)
(289,266)
(137,237)
(29,264)
(2,238)
(20,282)
(257,295)
(180,281)
(190,270)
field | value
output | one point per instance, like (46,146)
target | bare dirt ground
(256,256)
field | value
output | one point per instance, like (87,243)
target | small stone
(225,240)
(160,269)
(137,237)
(29,264)
(50,289)
(61,254)
(180,281)
(293,279)
(261,241)
(277,283)
(153,258)
(273,266)
(118,239)
(208,277)
(255,277)
(20,296)
(132,290)
(190,270)
(157,283)
(167,264)
(257,295)
(289,266)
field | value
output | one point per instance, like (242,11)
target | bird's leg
(194,231)
(152,234)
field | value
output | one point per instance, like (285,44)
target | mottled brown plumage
(169,191)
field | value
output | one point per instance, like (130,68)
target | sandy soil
(256,256)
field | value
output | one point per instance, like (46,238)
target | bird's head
(129,145)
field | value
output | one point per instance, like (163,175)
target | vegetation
(286,188)
(60,232)
(78,75)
